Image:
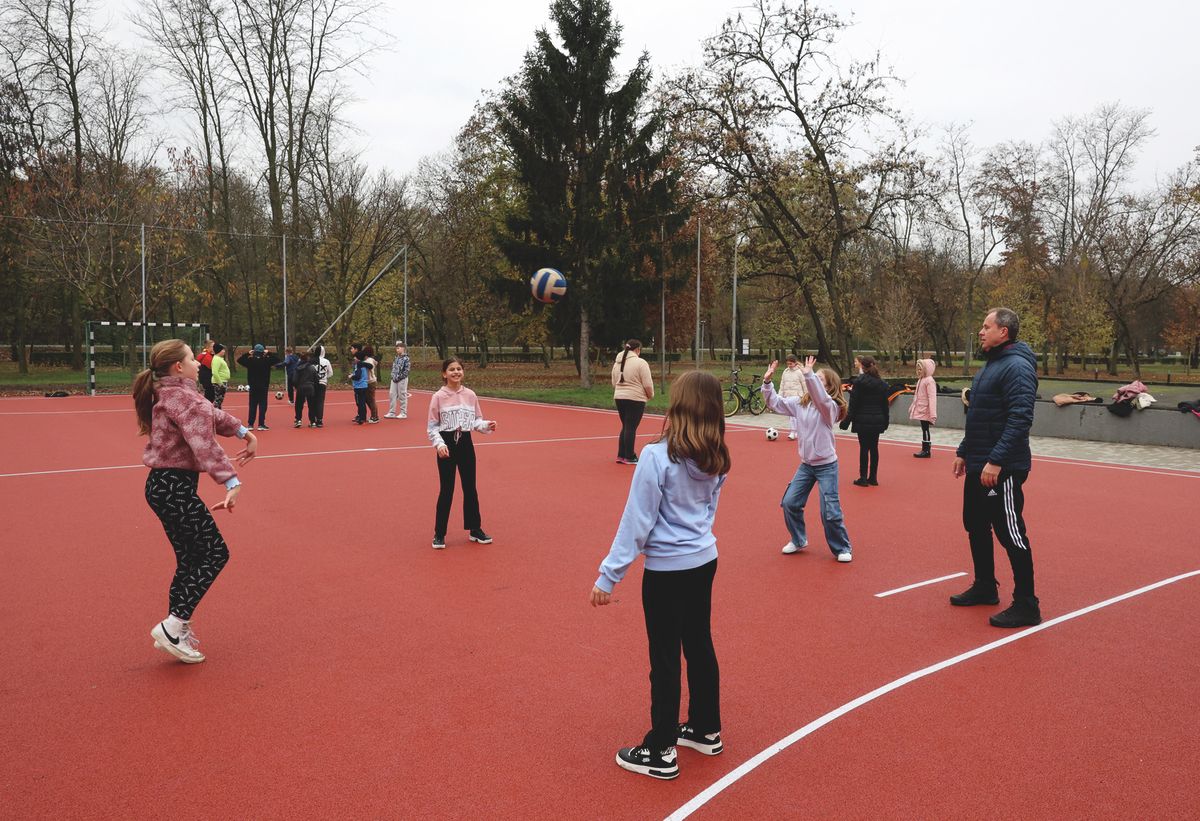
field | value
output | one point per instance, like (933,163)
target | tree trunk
(1111,360)
(585,346)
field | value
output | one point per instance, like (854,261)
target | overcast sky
(1011,69)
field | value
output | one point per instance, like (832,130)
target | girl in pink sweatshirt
(183,429)
(453,414)
(815,413)
(924,404)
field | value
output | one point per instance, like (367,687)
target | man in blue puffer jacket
(995,457)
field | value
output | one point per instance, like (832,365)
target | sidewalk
(1108,452)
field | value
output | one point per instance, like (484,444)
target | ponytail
(143,399)
(631,345)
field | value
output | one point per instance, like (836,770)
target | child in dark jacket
(305,388)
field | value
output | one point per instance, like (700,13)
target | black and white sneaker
(709,744)
(479,536)
(297,424)
(663,765)
(439,542)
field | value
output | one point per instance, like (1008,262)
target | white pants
(398,393)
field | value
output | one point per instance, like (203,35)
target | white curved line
(735,775)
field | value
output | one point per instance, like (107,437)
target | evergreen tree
(592,168)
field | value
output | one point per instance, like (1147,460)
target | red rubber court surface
(353,672)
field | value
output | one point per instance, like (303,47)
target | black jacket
(869,405)
(1001,410)
(305,380)
(258,369)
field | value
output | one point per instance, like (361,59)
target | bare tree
(811,141)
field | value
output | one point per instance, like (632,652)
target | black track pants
(678,607)
(868,455)
(462,459)
(998,509)
(200,551)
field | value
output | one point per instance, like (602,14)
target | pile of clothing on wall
(1131,397)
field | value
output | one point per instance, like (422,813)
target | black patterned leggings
(200,551)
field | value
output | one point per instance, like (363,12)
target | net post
(91,349)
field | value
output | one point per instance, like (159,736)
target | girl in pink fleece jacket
(183,429)
(924,404)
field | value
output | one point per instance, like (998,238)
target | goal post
(121,347)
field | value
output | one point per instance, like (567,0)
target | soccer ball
(278,394)
(772,434)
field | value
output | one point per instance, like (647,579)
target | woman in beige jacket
(633,387)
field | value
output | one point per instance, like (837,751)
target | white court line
(779,746)
(919,584)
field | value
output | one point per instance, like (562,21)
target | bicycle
(738,395)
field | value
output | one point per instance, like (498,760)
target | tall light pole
(405,294)
(733,334)
(697,359)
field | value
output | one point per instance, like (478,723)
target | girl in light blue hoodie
(669,518)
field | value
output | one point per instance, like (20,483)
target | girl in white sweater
(453,414)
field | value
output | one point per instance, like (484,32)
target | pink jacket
(183,430)
(924,403)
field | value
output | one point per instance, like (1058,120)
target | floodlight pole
(697,359)
(405,337)
(733,336)
(143,296)
(285,317)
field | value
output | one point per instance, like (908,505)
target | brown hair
(695,424)
(833,386)
(869,366)
(162,357)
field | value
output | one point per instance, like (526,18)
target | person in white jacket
(791,385)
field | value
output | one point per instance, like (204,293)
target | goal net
(116,350)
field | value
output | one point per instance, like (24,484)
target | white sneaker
(402,416)
(791,547)
(845,556)
(184,647)
(792,436)
(389,416)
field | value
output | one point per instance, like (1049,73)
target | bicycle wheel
(733,401)
(757,403)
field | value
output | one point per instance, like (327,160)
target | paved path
(1108,452)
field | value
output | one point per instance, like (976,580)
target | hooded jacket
(1001,410)
(924,403)
(182,428)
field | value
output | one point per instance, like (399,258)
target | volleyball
(548,285)
(278,394)
(772,434)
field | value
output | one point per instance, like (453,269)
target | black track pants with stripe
(200,551)
(998,509)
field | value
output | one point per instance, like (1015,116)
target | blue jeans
(796,496)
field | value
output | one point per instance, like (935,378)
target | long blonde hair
(833,386)
(162,356)
(695,424)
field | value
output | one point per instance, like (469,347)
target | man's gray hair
(1007,318)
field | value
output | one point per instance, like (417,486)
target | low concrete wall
(1153,426)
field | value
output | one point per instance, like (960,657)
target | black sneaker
(663,765)
(709,744)
(439,542)
(975,594)
(320,424)
(479,536)
(873,482)
(923,455)
(297,424)
(1024,612)
(263,427)
(860,482)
